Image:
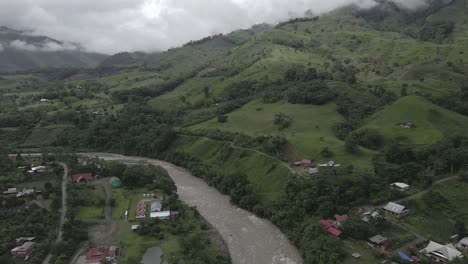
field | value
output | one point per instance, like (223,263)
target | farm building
(396,209)
(96,255)
(400,186)
(24,250)
(161,215)
(441,254)
(83,177)
(379,242)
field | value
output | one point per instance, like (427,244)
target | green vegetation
(431,122)
(440,213)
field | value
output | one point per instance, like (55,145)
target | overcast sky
(110,26)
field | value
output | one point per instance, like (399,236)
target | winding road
(63,210)
(249,239)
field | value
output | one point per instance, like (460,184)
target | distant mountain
(124,59)
(20,50)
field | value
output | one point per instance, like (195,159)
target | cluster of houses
(155,209)
(312,167)
(98,255)
(24,247)
(19,193)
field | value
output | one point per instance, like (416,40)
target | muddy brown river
(250,240)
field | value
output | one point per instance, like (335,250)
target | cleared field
(310,130)
(432,122)
(268,176)
(436,214)
(43,136)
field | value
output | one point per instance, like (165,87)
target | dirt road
(63,210)
(249,239)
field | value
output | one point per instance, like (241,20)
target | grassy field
(310,130)
(43,136)
(267,175)
(95,194)
(432,122)
(435,214)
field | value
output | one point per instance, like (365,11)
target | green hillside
(432,123)
(310,130)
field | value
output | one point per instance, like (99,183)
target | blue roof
(404,256)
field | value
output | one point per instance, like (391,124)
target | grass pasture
(435,214)
(43,136)
(310,130)
(432,122)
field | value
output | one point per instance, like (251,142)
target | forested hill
(382,91)
(20,51)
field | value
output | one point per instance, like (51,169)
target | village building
(330,164)
(379,242)
(83,177)
(10,191)
(372,217)
(304,162)
(330,227)
(36,169)
(163,215)
(407,125)
(21,240)
(24,250)
(12,158)
(135,227)
(311,170)
(156,205)
(463,244)
(141,210)
(400,186)
(96,255)
(396,209)
(25,192)
(441,254)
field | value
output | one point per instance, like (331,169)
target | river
(251,240)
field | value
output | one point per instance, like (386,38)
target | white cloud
(110,26)
(1,47)
(46,46)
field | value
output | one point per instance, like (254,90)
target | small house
(161,215)
(372,217)
(441,254)
(25,192)
(135,227)
(156,205)
(12,158)
(141,210)
(83,177)
(98,254)
(463,244)
(24,250)
(311,170)
(10,191)
(400,186)
(379,242)
(330,227)
(21,240)
(396,209)
(407,125)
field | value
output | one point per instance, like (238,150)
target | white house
(400,186)
(161,215)
(441,254)
(396,209)
(463,244)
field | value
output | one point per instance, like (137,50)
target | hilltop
(21,51)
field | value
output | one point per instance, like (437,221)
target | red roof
(341,218)
(12,157)
(326,223)
(306,162)
(334,231)
(83,176)
(97,254)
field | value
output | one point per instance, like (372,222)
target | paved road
(63,210)
(249,239)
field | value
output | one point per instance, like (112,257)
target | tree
(351,144)
(326,152)
(222,118)
(282,121)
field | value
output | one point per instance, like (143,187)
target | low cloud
(110,26)
(1,47)
(45,47)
